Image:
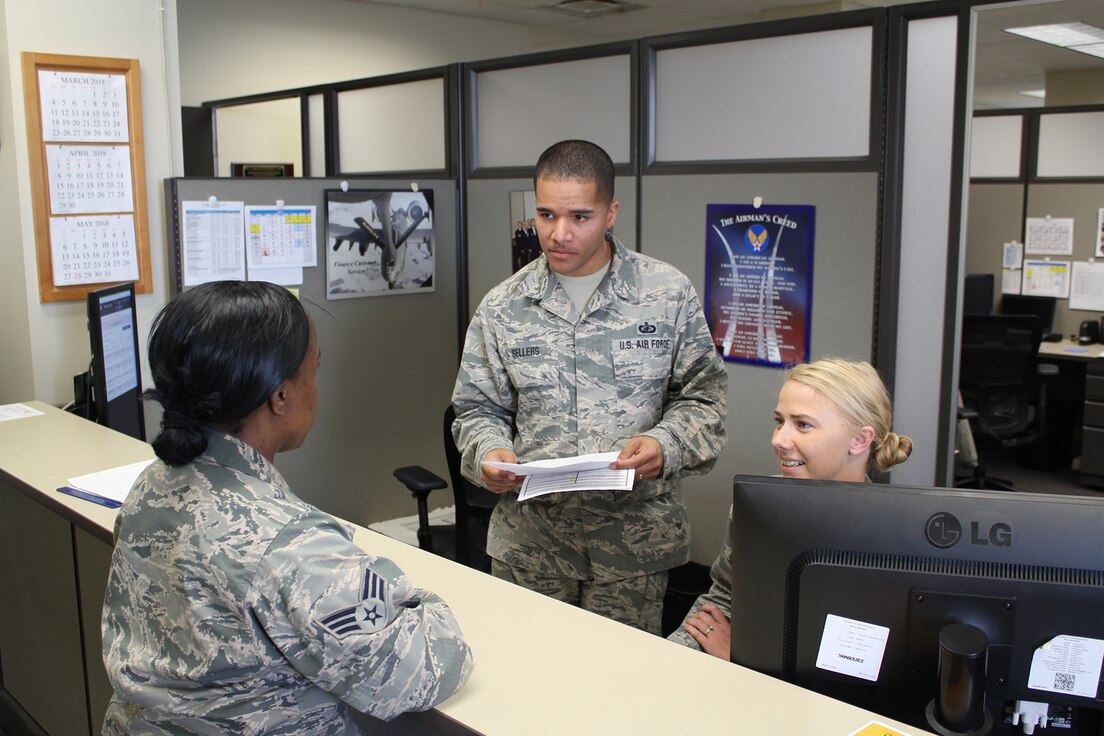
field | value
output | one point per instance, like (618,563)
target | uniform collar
(230,452)
(542,285)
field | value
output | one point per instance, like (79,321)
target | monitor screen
(845,589)
(1041,306)
(116,370)
(977,293)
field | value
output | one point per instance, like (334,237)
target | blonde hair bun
(860,395)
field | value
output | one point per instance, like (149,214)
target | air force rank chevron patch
(369,615)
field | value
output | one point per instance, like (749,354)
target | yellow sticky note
(877,729)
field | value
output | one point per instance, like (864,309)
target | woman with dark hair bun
(233,606)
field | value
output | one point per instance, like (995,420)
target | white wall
(226,49)
(54,336)
(16,382)
(244,47)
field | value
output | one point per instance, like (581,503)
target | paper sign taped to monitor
(1067,664)
(852,647)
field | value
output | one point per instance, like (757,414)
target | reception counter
(541,667)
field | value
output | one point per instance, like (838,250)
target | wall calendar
(87,172)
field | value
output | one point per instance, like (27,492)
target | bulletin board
(88,185)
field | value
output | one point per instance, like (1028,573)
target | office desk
(541,666)
(1073,359)
(1069,350)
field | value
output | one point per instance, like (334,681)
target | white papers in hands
(561,475)
(594,461)
(582,480)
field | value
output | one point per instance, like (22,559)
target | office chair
(466,540)
(1002,397)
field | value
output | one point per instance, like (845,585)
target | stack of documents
(107,487)
(582,473)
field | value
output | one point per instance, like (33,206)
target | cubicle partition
(394,123)
(515,109)
(1036,163)
(852,113)
(788,113)
(388,361)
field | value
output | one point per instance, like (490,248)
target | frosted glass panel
(260,133)
(317,135)
(803,96)
(520,112)
(399,127)
(1069,144)
(995,144)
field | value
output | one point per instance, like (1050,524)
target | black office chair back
(997,372)
(473,505)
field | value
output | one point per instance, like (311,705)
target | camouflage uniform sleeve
(692,430)
(719,594)
(353,624)
(484,399)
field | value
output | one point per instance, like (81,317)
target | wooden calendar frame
(41,192)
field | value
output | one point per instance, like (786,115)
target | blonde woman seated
(832,422)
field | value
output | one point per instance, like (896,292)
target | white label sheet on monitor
(1067,664)
(852,647)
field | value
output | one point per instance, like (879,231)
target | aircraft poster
(759,281)
(378,242)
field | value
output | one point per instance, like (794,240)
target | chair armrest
(965,412)
(419,480)
(1046,369)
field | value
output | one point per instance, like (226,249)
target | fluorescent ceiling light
(1062,34)
(591,8)
(1040,93)
(1092,49)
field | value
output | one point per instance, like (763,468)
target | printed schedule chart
(89,177)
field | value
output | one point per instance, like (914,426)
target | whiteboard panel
(520,112)
(397,127)
(995,146)
(802,96)
(317,142)
(260,133)
(1069,144)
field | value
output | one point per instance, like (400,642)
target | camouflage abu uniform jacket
(537,378)
(719,593)
(234,607)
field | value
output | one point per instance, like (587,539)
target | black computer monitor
(898,564)
(116,373)
(1041,306)
(977,293)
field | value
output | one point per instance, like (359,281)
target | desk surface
(541,666)
(1069,350)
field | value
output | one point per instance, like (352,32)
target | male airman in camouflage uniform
(590,348)
(235,607)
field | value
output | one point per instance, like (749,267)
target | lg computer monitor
(116,374)
(1041,306)
(844,588)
